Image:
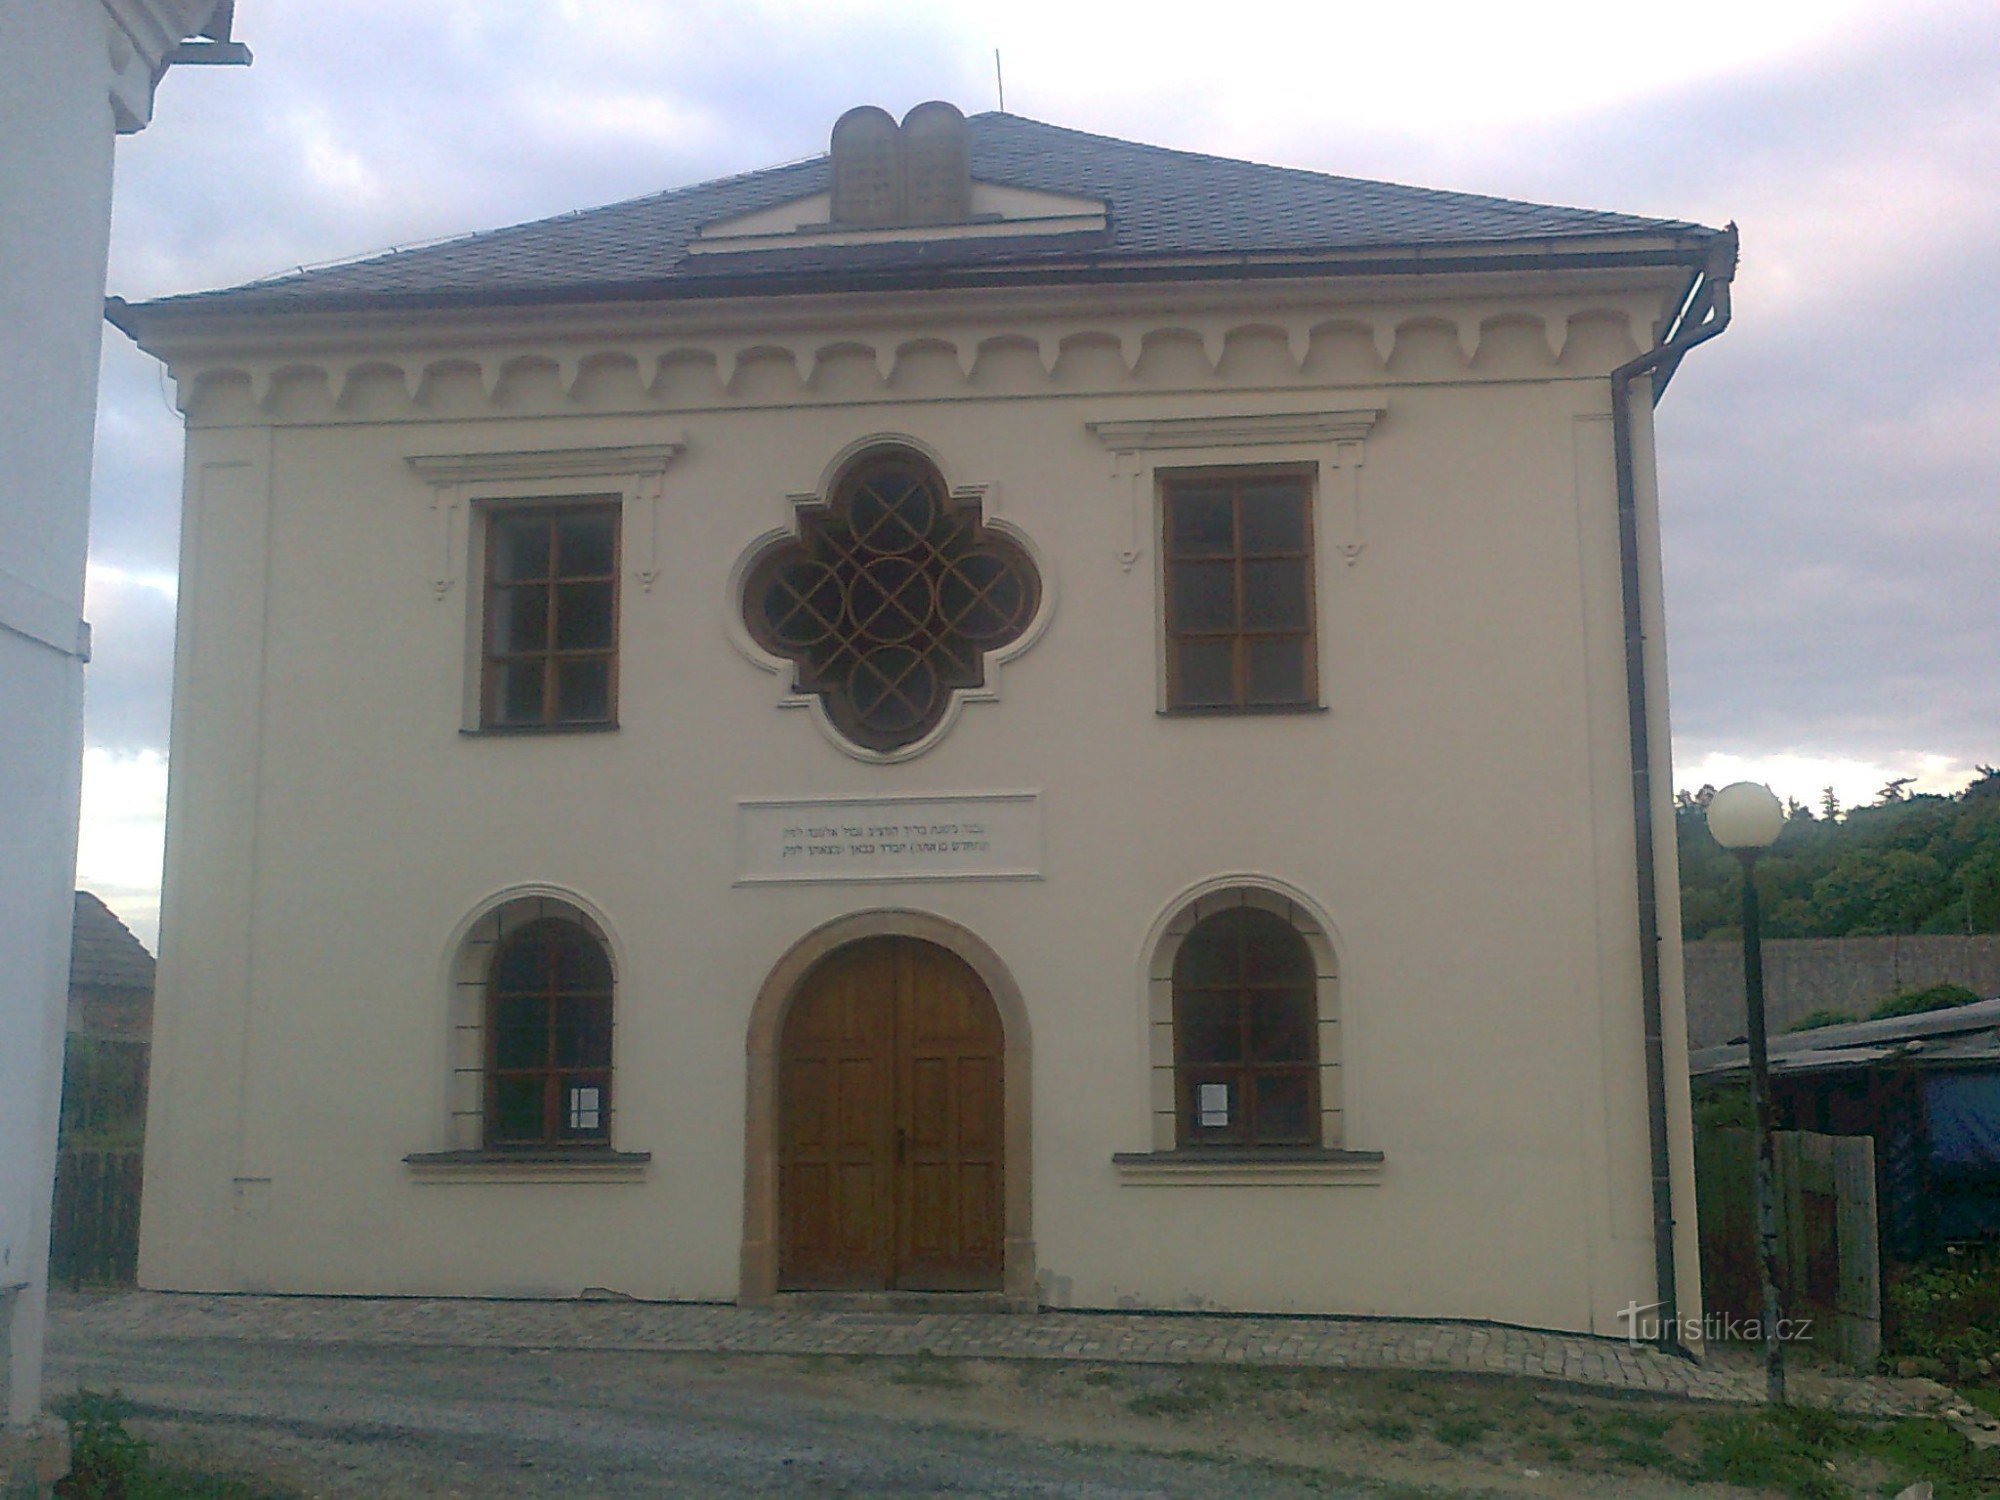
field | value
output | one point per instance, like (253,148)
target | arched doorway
(891,1124)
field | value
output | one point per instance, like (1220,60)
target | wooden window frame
(497,516)
(552,1077)
(1237,477)
(1243,1075)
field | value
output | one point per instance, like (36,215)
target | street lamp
(1746,819)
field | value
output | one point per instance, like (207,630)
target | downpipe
(1703,315)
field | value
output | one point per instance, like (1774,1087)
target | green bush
(1948,1310)
(105,1461)
(1824,1016)
(1723,1106)
(1916,1002)
(108,1463)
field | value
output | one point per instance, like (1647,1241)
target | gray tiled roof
(1164,205)
(103,953)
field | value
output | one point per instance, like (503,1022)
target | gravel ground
(371,1423)
(375,1398)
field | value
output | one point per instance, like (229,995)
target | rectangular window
(1239,590)
(551,632)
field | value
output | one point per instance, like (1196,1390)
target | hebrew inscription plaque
(980,836)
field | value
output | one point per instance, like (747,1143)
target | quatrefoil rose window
(889,599)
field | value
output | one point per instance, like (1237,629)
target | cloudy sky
(1831,466)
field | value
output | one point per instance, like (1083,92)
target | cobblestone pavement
(1107,1337)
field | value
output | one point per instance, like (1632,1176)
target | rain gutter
(1703,314)
(141,320)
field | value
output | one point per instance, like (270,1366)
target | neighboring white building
(76,73)
(1001,711)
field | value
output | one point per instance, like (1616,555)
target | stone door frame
(759,1267)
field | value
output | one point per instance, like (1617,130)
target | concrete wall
(330,828)
(55,214)
(72,74)
(1802,975)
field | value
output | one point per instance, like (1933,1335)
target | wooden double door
(890,1107)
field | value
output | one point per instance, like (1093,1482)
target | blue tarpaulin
(1963,1110)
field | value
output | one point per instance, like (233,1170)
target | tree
(1910,862)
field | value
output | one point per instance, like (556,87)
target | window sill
(510,731)
(1240,711)
(1244,1166)
(528,1166)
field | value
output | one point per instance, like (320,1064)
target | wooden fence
(94,1234)
(1829,1261)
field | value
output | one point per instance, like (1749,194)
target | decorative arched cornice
(904,359)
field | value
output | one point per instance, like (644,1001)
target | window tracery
(889,600)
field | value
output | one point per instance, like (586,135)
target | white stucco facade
(77,72)
(1452,827)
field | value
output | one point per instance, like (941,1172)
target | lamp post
(1746,819)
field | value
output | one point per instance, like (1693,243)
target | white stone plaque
(979,836)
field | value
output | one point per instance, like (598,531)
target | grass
(1985,1397)
(1797,1452)
(107,1462)
(929,1374)
(1461,1432)
(1178,1402)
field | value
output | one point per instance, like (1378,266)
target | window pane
(804,604)
(517,1110)
(584,545)
(583,691)
(1209,1026)
(1200,524)
(520,620)
(1283,1109)
(1207,674)
(1274,517)
(520,1033)
(1281,1027)
(518,699)
(583,1034)
(580,964)
(518,966)
(981,597)
(583,616)
(1278,669)
(1208,955)
(1274,594)
(1273,951)
(520,547)
(1204,596)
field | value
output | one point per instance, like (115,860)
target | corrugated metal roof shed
(1962,1034)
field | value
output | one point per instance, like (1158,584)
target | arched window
(1246,1033)
(889,599)
(548,1039)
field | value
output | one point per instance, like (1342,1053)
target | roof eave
(1680,250)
